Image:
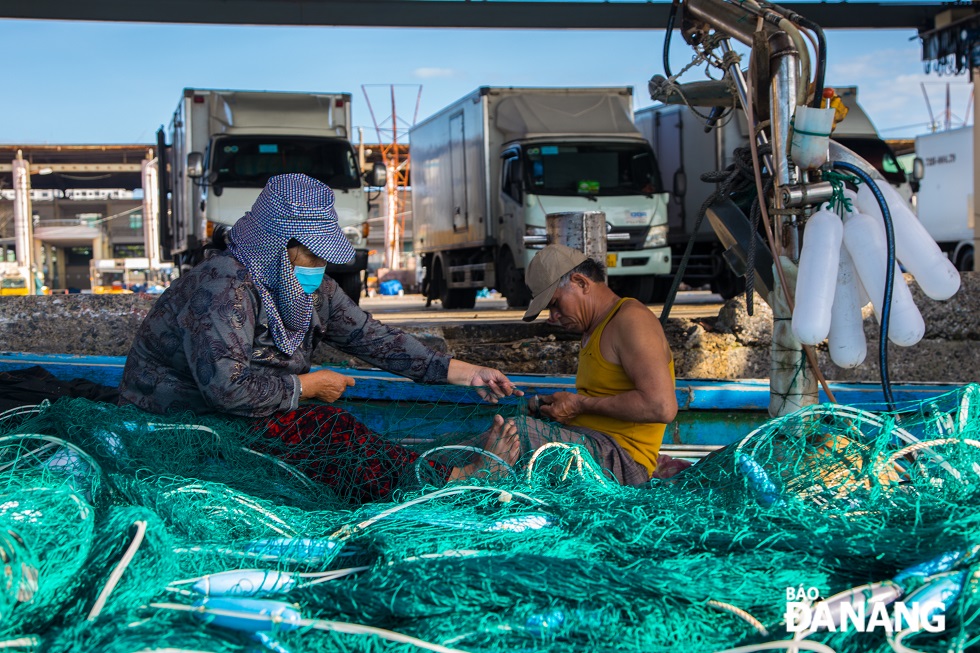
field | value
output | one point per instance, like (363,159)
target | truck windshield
(591,169)
(14,282)
(879,155)
(248,162)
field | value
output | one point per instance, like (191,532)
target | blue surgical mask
(309,278)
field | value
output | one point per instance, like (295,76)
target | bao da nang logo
(865,609)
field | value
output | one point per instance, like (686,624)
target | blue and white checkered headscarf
(290,206)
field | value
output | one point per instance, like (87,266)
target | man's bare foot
(502,440)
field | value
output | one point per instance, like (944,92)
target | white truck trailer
(487,169)
(686,151)
(944,202)
(224,146)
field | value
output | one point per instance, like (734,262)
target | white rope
(461,447)
(576,452)
(117,572)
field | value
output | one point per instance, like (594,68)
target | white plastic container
(862,293)
(914,247)
(817,276)
(847,344)
(811,136)
(864,237)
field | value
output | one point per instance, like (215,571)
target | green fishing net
(125,532)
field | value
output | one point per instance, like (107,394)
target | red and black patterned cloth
(332,447)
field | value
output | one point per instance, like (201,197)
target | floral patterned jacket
(206,347)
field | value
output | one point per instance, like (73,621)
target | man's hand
(324,385)
(561,406)
(491,384)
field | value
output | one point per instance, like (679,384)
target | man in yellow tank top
(625,380)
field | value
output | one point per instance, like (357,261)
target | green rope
(838,201)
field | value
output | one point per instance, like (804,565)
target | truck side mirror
(514,172)
(516,183)
(195,165)
(680,184)
(918,169)
(918,172)
(378,175)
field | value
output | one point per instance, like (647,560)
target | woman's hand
(491,384)
(324,385)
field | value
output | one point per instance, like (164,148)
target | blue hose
(886,304)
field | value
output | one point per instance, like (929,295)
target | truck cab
(225,145)
(489,168)
(13,285)
(238,167)
(128,275)
(616,176)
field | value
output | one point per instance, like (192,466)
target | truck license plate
(611,260)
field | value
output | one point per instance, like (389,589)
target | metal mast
(396,158)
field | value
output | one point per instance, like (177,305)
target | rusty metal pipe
(725,17)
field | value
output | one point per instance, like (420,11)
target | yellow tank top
(597,377)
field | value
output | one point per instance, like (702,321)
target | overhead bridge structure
(948,29)
(451,13)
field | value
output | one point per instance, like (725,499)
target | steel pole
(151,213)
(23,220)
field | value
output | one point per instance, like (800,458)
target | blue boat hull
(713,413)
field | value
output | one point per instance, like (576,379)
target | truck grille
(702,267)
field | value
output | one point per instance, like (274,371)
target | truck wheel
(661,288)
(727,284)
(458,297)
(512,282)
(639,288)
(965,262)
(351,285)
(451,298)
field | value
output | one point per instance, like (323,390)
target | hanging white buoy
(914,247)
(817,276)
(864,237)
(847,344)
(863,298)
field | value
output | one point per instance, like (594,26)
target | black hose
(886,304)
(670,28)
(821,70)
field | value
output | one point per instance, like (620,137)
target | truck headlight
(656,237)
(535,237)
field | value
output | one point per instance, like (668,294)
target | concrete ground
(708,342)
(411,309)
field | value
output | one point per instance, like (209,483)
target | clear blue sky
(87,82)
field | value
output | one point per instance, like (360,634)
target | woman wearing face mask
(236,335)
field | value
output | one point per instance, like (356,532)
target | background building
(86,203)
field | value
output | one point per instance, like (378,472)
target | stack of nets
(123,533)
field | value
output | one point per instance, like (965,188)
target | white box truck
(944,202)
(686,151)
(224,146)
(487,169)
